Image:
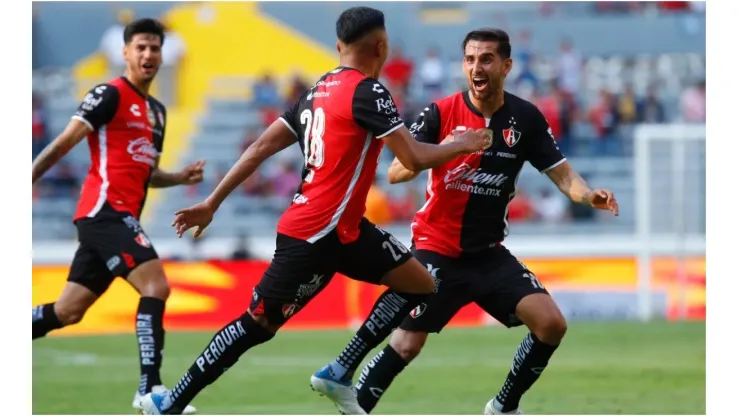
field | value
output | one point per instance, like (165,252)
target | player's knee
(551,329)
(69,314)
(150,280)
(427,287)
(423,284)
(407,344)
(264,322)
(157,288)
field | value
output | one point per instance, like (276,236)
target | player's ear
(339,48)
(508,63)
(380,48)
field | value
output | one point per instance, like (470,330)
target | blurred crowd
(559,93)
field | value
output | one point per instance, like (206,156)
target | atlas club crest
(511,136)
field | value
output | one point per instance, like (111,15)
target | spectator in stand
(520,208)
(111,44)
(627,106)
(568,67)
(694,103)
(397,71)
(605,119)
(251,136)
(551,208)
(553,107)
(650,109)
(286,179)
(173,51)
(40,134)
(674,6)
(241,251)
(524,58)
(265,93)
(432,74)
(404,204)
(297,88)
(266,98)
(256,185)
(63,182)
(377,205)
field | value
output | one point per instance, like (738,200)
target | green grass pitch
(601,368)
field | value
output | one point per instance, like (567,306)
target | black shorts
(494,280)
(112,244)
(300,270)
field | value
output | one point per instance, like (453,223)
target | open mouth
(480,83)
(149,67)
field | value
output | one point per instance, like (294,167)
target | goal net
(670,216)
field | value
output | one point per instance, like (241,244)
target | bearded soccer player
(458,233)
(125,129)
(341,124)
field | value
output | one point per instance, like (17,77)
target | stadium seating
(672,61)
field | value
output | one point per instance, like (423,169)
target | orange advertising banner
(206,295)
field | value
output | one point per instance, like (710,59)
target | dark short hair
(147,26)
(490,35)
(357,22)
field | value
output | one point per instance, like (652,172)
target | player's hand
(474,140)
(199,215)
(193,173)
(604,199)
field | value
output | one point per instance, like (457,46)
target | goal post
(670,198)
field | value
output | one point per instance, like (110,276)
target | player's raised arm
(96,110)
(546,157)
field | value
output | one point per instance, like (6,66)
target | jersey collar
(474,110)
(133,87)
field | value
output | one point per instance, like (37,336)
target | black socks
(44,320)
(222,352)
(150,336)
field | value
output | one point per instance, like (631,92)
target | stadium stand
(218,111)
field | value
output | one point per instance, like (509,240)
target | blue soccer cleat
(337,390)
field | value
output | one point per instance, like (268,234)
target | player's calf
(409,285)
(381,370)
(221,353)
(44,320)
(547,325)
(149,280)
(69,309)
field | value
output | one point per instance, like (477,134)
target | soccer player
(125,128)
(341,124)
(458,232)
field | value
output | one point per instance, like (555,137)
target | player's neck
(366,69)
(488,107)
(142,86)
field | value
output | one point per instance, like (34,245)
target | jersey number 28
(313,140)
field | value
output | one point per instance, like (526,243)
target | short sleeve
(98,107)
(290,117)
(426,128)
(543,152)
(374,110)
(159,139)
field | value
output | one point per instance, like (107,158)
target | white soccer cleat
(491,410)
(160,389)
(342,394)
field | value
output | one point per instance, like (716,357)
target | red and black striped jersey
(339,123)
(127,138)
(468,198)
